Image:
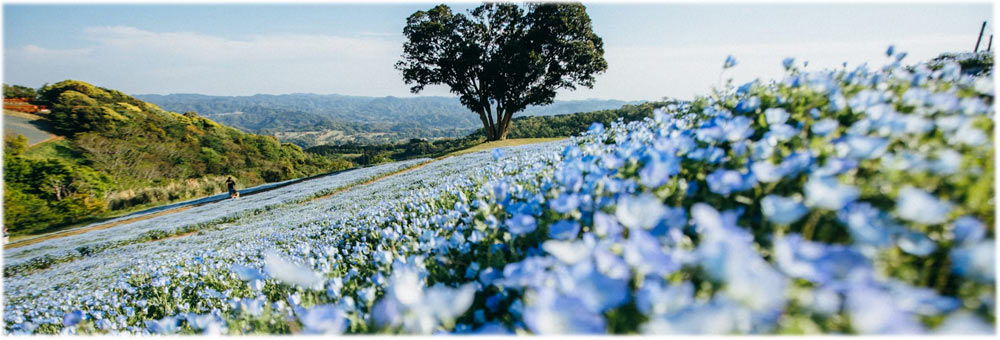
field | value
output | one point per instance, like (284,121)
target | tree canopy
(501,57)
(18,91)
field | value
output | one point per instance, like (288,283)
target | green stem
(807,231)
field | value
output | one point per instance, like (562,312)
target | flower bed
(836,202)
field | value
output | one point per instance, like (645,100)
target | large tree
(501,57)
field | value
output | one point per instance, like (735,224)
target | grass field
(57,148)
(502,143)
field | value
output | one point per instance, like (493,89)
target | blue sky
(654,50)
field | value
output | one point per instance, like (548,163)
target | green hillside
(121,152)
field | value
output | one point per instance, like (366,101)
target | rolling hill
(120,152)
(366,120)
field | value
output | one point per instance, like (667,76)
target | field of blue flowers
(850,201)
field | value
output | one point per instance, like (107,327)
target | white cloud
(140,61)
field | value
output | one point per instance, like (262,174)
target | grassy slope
(502,143)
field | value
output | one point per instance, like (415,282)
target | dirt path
(50,139)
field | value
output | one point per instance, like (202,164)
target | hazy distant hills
(355,118)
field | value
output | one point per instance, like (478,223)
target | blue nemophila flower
(861,147)
(746,87)
(964,323)
(596,290)
(766,172)
(657,297)
(724,182)
(644,253)
(872,311)
(948,162)
(673,218)
(407,303)
(709,154)
(709,133)
(866,224)
(521,224)
(915,243)
(555,313)
(610,264)
(795,163)
(824,127)
(920,300)
(166,325)
(818,262)
(659,168)
(726,255)
(919,206)
(968,230)
(835,166)
(975,261)
(247,273)
(569,252)
(291,273)
(596,128)
(780,133)
(497,154)
(788,62)
(570,178)
(324,319)
(564,230)
(612,161)
(738,128)
(775,115)
(642,211)
(971,135)
(606,226)
(782,210)
(565,203)
(828,193)
(747,105)
(890,50)
(530,272)
(72,318)
(730,62)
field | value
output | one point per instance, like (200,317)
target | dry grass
(502,143)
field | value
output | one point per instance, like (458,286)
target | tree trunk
(491,130)
(487,128)
(500,130)
(505,124)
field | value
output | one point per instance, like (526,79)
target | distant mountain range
(359,119)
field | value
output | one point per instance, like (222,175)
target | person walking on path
(231,186)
